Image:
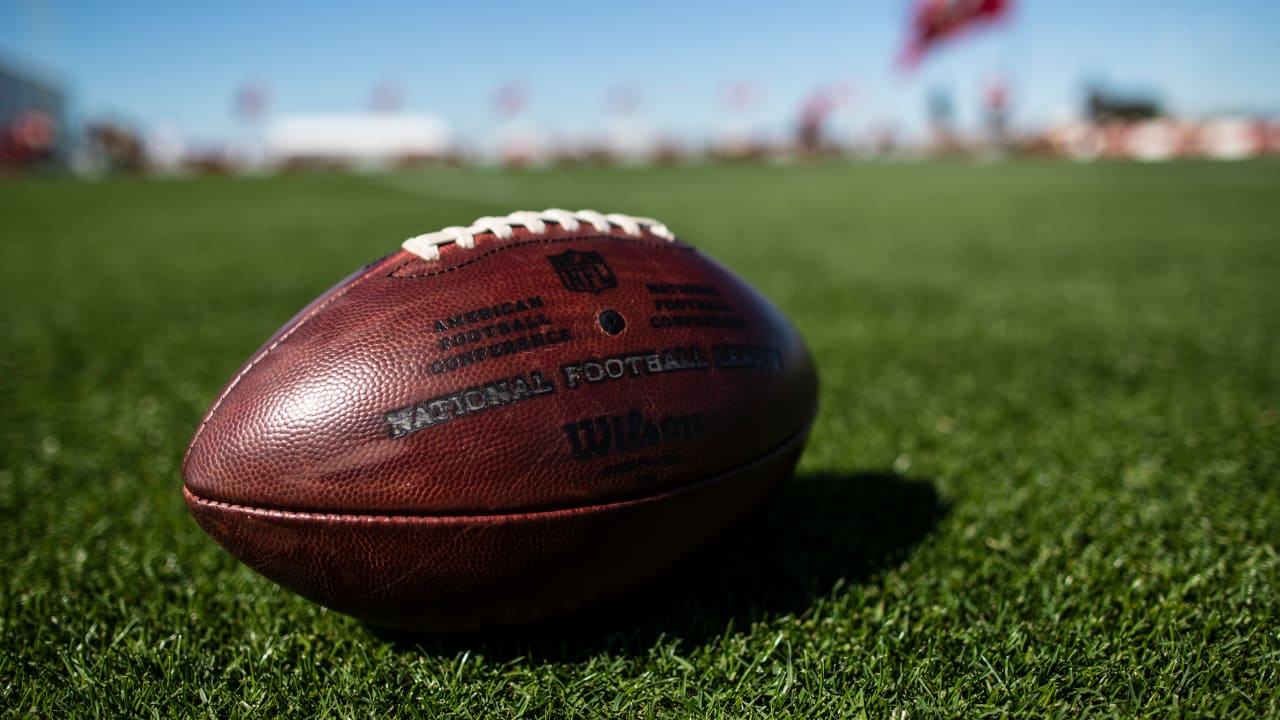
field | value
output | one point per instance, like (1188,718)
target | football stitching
(532,241)
(427,246)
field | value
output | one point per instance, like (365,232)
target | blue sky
(179,64)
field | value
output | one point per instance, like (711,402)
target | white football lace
(428,246)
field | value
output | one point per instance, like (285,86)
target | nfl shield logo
(583,271)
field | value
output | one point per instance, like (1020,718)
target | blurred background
(245,87)
(1026,241)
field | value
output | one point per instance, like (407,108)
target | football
(503,422)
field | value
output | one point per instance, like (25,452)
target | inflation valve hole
(611,322)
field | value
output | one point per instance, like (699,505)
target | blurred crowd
(35,135)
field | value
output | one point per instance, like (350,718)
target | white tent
(356,138)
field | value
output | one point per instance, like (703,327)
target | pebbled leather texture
(508,432)
(463,573)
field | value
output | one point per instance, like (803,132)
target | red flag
(933,21)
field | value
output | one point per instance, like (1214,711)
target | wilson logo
(600,436)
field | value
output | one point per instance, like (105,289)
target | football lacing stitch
(427,246)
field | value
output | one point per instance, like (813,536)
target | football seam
(533,241)
(267,351)
(392,518)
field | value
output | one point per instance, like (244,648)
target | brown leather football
(503,422)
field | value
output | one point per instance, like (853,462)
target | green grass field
(1045,480)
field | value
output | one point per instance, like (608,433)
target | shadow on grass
(820,530)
